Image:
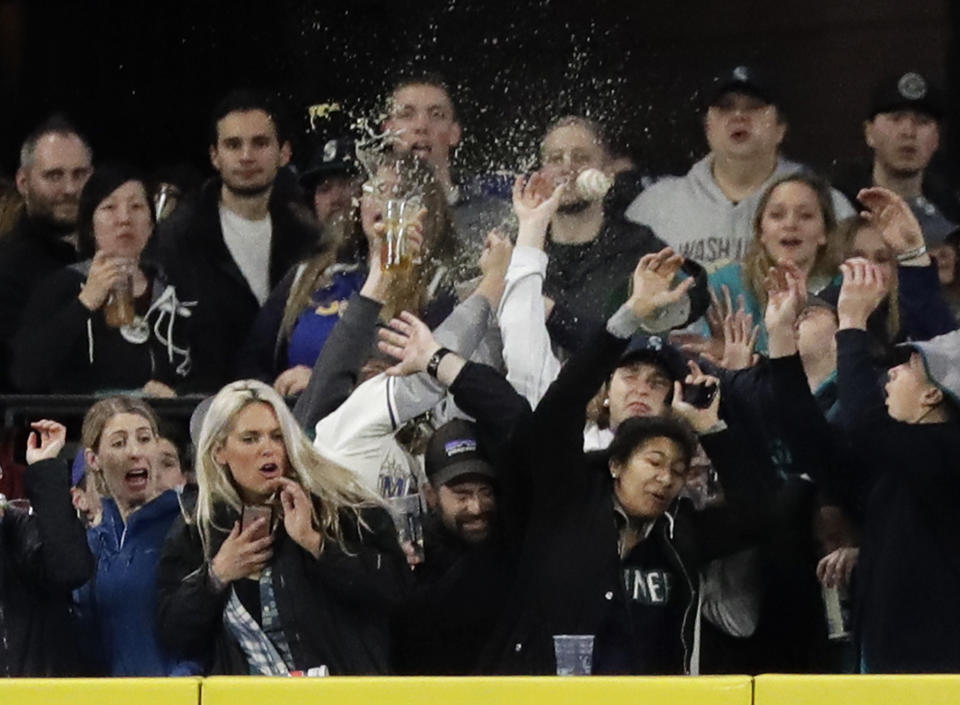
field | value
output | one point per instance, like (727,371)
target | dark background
(140,77)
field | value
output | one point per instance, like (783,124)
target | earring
(606,402)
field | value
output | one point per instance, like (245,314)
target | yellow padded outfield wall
(708,690)
(100,691)
(857,690)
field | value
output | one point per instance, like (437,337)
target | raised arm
(52,549)
(859,391)
(925,313)
(531,364)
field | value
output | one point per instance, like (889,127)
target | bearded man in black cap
(331,185)
(461,583)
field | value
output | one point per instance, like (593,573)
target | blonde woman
(289,564)
(793,224)
(119,436)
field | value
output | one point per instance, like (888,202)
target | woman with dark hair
(296,320)
(794,222)
(110,322)
(608,547)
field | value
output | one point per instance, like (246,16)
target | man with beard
(234,244)
(55,162)
(590,253)
(331,183)
(461,583)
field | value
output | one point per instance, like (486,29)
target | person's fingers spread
(714,301)
(727,303)
(393,338)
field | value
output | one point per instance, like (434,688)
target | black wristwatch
(434,362)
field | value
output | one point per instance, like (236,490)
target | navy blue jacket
(118,606)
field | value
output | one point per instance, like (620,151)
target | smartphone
(252,512)
(699,395)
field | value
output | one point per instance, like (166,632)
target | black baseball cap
(656,350)
(742,78)
(453,452)
(335,158)
(911,91)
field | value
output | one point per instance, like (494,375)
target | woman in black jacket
(289,565)
(110,322)
(43,556)
(608,548)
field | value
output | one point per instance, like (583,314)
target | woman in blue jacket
(118,605)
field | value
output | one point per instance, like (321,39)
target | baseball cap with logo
(453,452)
(906,91)
(335,158)
(656,350)
(742,78)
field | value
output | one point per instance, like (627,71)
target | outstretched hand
(739,339)
(535,201)
(409,340)
(45,441)
(864,287)
(786,296)
(653,282)
(890,214)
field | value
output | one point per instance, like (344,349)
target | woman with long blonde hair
(794,223)
(117,606)
(290,564)
(294,324)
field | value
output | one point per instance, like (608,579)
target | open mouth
(137,478)
(421,149)
(270,470)
(739,135)
(791,242)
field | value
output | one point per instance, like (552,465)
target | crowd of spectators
(707,426)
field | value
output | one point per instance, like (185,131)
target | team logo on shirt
(334,308)
(648,587)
